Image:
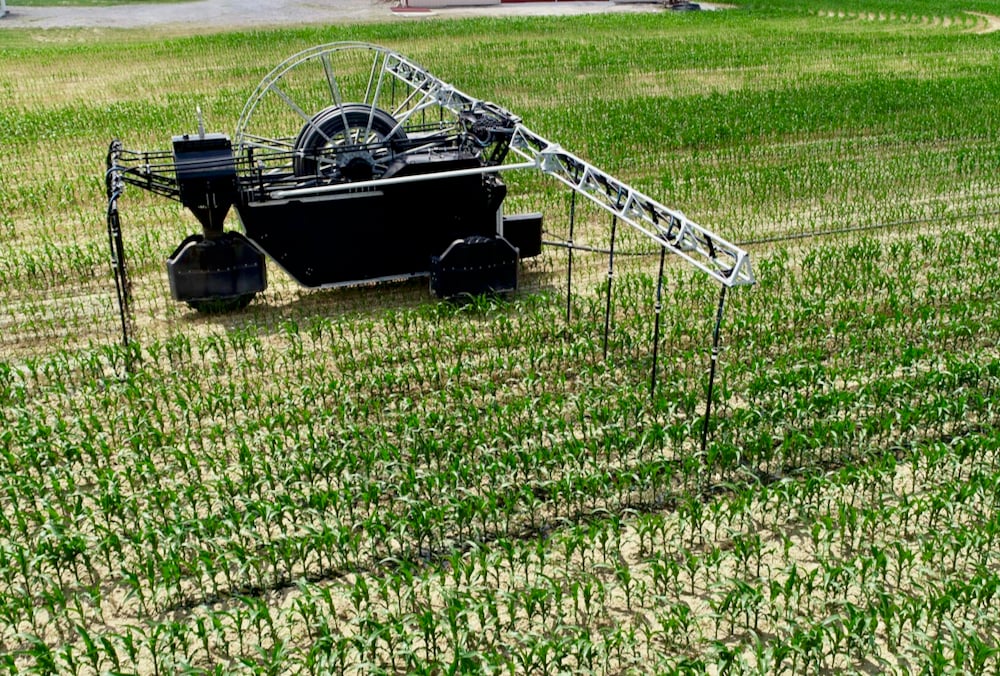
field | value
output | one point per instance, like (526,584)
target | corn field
(370,481)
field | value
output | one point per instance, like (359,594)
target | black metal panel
(366,234)
(475,265)
(216,269)
(324,240)
(524,231)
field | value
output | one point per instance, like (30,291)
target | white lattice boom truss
(720,259)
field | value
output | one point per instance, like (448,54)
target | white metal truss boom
(707,251)
(717,257)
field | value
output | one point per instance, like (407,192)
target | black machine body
(358,213)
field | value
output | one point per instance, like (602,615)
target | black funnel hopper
(206,176)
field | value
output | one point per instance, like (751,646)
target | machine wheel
(336,113)
(363,132)
(216,306)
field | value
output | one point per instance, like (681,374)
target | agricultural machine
(352,164)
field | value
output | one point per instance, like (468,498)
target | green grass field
(370,481)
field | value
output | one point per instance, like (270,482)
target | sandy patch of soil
(991,25)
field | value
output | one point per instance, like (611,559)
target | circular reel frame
(285,125)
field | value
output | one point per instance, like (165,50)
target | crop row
(123,481)
(832,576)
(325,483)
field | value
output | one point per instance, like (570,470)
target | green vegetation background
(414,461)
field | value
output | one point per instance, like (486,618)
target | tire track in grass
(989,24)
(992,23)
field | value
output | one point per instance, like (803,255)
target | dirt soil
(225,14)
(992,23)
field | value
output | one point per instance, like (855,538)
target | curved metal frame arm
(115,184)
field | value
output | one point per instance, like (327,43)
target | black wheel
(216,306)
(347,142)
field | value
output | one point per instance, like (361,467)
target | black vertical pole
(115,187)
(611,276)
(656,325)
(711,372)
(569,267)
(121,273)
